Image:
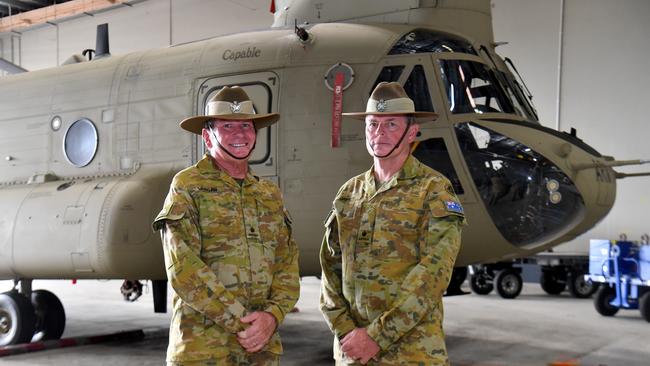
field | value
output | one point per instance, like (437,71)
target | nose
(381,129)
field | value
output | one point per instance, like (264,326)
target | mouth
(238,145)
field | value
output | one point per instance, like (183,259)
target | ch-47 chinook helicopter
(89,148)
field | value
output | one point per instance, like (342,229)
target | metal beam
(21,5)
(54,13)
(43,3)
(10,67)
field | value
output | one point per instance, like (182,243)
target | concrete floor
(534,329)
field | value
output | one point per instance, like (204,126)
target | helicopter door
(262,88)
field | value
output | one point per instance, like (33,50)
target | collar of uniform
(409,170)
(208,168)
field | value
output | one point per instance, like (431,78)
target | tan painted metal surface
(98,226)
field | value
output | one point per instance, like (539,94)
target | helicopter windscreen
(426,40)
(473,88)
(528,197)
(521,102)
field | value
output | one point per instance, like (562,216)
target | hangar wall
(584,61)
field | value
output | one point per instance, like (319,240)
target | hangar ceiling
(19,15)
(13,7)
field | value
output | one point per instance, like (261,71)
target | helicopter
(91,146)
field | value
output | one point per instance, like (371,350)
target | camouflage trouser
(236,359)
(391,362)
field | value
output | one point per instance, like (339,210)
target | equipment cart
(623,269)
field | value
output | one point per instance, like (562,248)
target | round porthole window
(80,142)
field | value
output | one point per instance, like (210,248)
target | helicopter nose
(529,190)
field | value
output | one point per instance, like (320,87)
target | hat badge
(381,105)
(235,107)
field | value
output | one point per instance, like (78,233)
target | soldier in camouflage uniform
(229,253)
(390,244)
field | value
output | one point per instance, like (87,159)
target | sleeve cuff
(276,312)
(230,318)
(375,332)
(343,328)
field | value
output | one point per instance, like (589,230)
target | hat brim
(420,117)
(195,124)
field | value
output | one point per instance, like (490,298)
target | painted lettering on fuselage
(234,55)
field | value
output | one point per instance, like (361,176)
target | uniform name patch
(454,207)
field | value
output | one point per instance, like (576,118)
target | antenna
(302,34)
(101,44)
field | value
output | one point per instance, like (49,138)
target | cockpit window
(519,98)
(433,153)
(528,197)
(519,85)
(425,41)
(417,89)
(473,88)
(388,74)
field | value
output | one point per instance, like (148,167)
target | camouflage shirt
(228,251)
(387,258)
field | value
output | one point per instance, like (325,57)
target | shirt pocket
(397,231)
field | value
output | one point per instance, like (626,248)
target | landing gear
(508,283)
(458,276)
(17,318)
(552,282)
(50,316)
(558,277)
(28,315)
(481,284)
(578,286)
(502,276)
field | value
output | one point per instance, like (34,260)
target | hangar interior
(583,60)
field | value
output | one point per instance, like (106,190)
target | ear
(412,132)
(206,138)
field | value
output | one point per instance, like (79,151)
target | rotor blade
(10,67)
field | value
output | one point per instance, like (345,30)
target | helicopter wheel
(579,287)
(17,319)
(458,276)
(550,283)
(50,316)
(480,284)
(508,283)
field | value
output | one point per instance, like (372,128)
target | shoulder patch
(454,207)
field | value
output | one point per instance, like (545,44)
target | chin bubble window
(80,142)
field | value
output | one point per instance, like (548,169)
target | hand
(359,346)
(262,327)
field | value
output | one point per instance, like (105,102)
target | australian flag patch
(454,207)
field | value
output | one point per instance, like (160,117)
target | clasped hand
(262,327)
(358,345)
